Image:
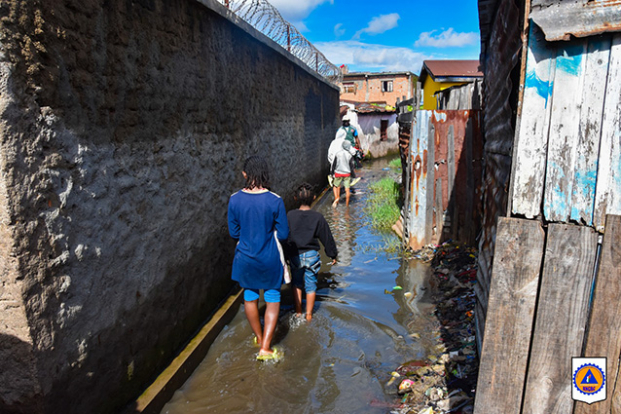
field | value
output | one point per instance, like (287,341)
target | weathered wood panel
(509,319)
(562,313)
(587,149)
(608,193)
(564,130)
(604,335)
(531,143)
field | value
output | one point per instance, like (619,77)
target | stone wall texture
(123,128)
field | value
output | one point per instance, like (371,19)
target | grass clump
(395,164)
(384,204)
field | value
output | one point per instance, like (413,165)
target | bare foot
(265,351)
(309,317)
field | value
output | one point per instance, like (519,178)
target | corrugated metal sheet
(560,19)
(466,96)
(502,30)
(567,155)
(444,195)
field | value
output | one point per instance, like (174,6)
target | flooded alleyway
(372,314)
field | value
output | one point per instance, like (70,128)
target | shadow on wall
(21,395)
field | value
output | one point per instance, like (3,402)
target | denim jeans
(304,269)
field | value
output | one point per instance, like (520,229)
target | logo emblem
(588,379)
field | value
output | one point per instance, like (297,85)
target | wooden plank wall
(561,317)
(509,320)
(567,148)
(608,194)
(604,335)
(526,367)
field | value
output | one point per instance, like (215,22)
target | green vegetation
(384,204)
(395,164)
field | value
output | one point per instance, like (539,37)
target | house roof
(374,107)
(375,74)
(450,70)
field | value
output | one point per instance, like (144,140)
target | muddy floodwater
(362,330)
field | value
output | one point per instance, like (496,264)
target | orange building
(384,87)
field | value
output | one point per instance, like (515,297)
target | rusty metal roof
(560,20)
(451,70)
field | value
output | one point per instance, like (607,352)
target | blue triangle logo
(589,378)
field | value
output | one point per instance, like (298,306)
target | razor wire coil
(265,18)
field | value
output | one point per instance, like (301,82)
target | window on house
(349,88)
(383,130)
(387,86)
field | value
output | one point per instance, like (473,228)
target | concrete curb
(181,368)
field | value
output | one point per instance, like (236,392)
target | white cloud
(380,24)
(297,10)
(447,38)
(372,57)
(301,26)
(339,30)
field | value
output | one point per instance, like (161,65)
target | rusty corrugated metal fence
(444,188)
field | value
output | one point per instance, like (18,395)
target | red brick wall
(369,89)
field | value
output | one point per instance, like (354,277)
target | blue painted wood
(531,143)
(587,149)
(564,130)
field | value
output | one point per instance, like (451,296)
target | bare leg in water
(252,314)
(271,317)
(297,300)
(337,195)
(310,303)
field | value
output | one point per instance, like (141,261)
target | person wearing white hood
(343,168)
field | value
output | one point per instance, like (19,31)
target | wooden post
(510,312)
(604,335)
(288,39)
(561,319)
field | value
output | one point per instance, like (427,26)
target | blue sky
(380,36)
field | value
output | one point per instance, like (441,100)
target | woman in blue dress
(257,220)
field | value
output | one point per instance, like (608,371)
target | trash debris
(445,381)
(406,385)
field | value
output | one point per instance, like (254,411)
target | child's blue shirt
(257,221)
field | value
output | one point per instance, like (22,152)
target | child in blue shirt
(257,220)
(307,229)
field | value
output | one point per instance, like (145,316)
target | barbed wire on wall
(265,18)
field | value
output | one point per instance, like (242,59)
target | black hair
(257,172)
(304,194)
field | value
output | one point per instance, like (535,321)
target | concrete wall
(124,125)
(369,129)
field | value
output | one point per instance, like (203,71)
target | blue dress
(257,221)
